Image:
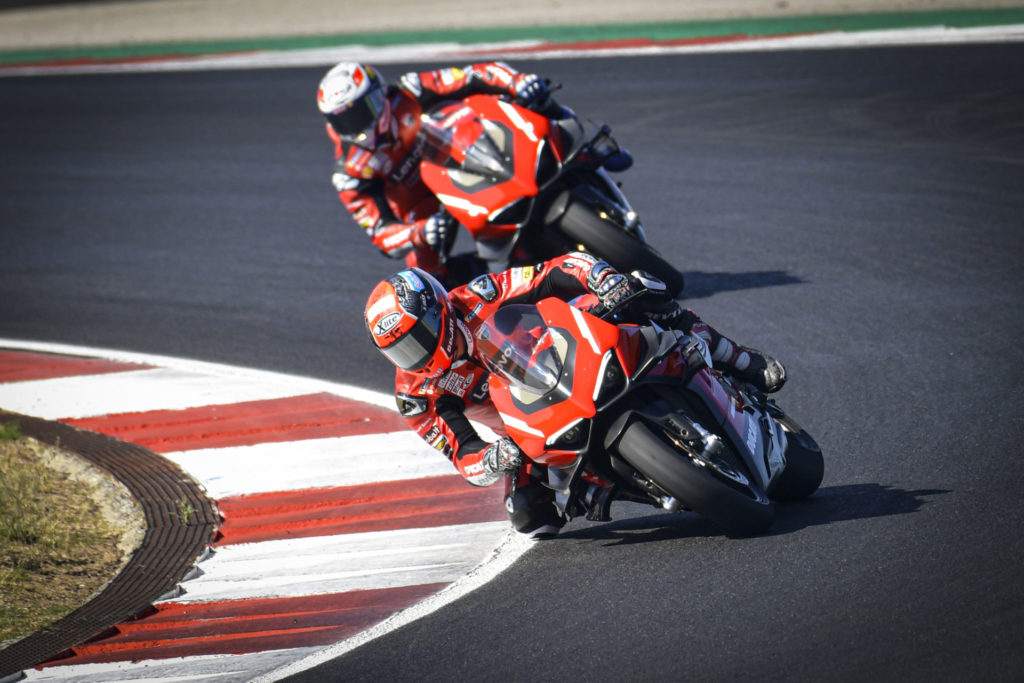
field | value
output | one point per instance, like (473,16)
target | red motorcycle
(528,187)
(599,403)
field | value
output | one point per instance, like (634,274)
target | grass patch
(56,548)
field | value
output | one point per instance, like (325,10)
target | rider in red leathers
(440,385)
(374,128)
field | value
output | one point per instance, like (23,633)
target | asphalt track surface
(856,213)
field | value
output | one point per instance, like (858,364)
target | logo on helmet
(386,324)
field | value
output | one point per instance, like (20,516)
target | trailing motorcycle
(528,187)
(601,403)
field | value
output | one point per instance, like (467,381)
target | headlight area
(611,380)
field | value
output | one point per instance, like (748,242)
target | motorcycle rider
(374,127)
(440,384)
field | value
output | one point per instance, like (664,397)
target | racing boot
(743,363)
(598,502)
(754,367)
(531,506)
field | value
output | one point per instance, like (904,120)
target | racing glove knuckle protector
(502,456)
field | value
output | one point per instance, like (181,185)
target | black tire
(610,242)
(805,467)
(739,510)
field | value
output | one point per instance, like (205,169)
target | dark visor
(417,346)
(361,116)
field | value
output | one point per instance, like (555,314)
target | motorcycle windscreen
(517,345)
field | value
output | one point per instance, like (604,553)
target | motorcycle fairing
(582,344)
(746,426)
(495,151)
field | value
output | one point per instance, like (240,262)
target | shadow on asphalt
(844,503)
(828,505)
(701,285)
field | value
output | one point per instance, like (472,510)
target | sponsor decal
(467,336)
(410,166)
(751,435)
(521,276)
(577,263)
(454,383)
(479,393)
(449,76)
(441,444)
(385,324)
(413,280)
(475,312)
(398,238)
(365,217)
(381,162)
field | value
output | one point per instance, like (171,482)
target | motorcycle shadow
(828,505)
(700,285)
(844,503)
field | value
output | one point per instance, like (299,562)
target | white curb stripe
(132,391)
(347,562)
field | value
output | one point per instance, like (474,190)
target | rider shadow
(701,285)
(828,505)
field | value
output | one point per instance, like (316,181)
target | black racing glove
(657,303)
(438,229)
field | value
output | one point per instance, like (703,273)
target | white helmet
(353,98)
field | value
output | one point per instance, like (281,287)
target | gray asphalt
(857,214)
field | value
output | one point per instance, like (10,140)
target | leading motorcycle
(636,412)
(529,187)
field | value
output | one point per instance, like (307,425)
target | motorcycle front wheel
(609,241)
(729,503)
(805,466)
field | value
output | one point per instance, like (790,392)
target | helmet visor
(417,346)
(359,118)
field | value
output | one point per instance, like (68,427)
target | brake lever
(609,313)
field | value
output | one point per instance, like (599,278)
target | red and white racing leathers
(382,188)
(439,409)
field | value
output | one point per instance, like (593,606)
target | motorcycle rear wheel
(622,250)
(738,509)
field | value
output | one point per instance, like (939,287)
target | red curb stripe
(295,418)
(240,626)
(384,506)
(384,598)
(21,366)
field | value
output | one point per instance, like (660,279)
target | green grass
(56,549)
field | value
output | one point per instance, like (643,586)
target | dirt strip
(167,553)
